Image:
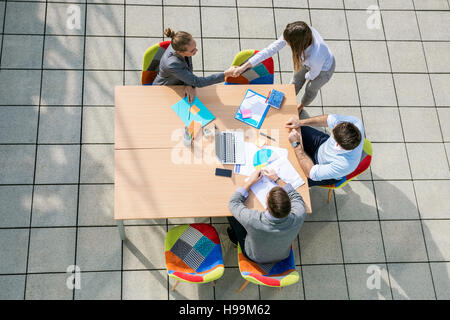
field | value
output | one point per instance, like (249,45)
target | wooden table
(156,176)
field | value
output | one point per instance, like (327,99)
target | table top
(157,177)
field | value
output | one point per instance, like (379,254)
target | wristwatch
(276,181)
(296,144)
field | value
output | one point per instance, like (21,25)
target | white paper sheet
(262,188)
(286,172)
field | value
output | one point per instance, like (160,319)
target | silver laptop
(230,146)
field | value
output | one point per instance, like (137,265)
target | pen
(265,135)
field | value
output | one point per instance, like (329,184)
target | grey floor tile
(398,4)
(420,125)
(360,27)
(98,249)
(429,198)
(18,124)
(437,56)
(227,287)
(413,90)
(444,120)
(99,286)
(150,21)
(13,250)
(135,49)
(51,249)
(17,164)
(320,243)
(327,4)
(25,18)
(382,124)
(320,20)
(133,78)
(325,282)
(407,56)
(15,202)
(226,26)
(96,205)
(358,4)
(97,164)
(437,239)
(218,3)
(400,25)
(98,125)
(57,163)
(12,287)
(254,3)
(2,15)
(144,248)
(54,205)
(20,87)
(292,292)
(362,242)
(47,287)
(63,52)
(428,161)
(285,16)
(219,54)
(191,291)
(411,281)
(74,24)
(441,89)
(22,51)
(59,125)
(356,201)
(370,56)
(99,87)
(343,55)
(403,241)
(376,89)
(61,87)
(428,20)
(104,53)
(145,285)
(340,91)
(396,200)
(256,23)
(368,282)
(322,210)
(431,5)
(181,2)
(440,272)
(105,20)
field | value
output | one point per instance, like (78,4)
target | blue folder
(182,107)
(250,121)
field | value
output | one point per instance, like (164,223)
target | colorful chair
(279,274)
(152,57)
(259,74)
(366,159)
(193,254)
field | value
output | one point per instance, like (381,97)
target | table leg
(121,230)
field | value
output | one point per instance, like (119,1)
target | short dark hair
(278,202)
(347,135)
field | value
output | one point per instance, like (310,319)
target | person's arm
(318,121)
(315,67)
(190,79)
(304,160)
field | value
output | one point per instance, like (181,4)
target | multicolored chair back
(364,164)
(259,74)
(277,274)
(150,66)
(193,253)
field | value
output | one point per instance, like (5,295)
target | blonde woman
(312,59)
(175,67)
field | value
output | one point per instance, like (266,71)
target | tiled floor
(57,136)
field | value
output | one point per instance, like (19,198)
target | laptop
(230,147)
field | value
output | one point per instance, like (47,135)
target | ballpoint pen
(265,135)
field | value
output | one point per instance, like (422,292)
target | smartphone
(223,172)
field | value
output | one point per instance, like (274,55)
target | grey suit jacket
(176,70)
(269,239)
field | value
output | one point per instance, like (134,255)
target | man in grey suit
(266,236)
(176,68)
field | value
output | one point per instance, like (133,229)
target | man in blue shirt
(327,159)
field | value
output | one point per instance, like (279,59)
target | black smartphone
(223,172)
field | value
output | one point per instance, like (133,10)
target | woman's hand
(190,93)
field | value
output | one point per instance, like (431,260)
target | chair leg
(329,195)
(279,288)
(243,286)
(175,285)
(213,283)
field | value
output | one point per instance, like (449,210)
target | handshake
(234,71)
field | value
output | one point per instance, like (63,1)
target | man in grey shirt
(266,236)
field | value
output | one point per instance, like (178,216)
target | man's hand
(292,123)
(238,71)
(254,177)
(294,136)
(190,93)
(270,173)
(230,71)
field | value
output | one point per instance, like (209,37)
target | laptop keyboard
(229,144)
